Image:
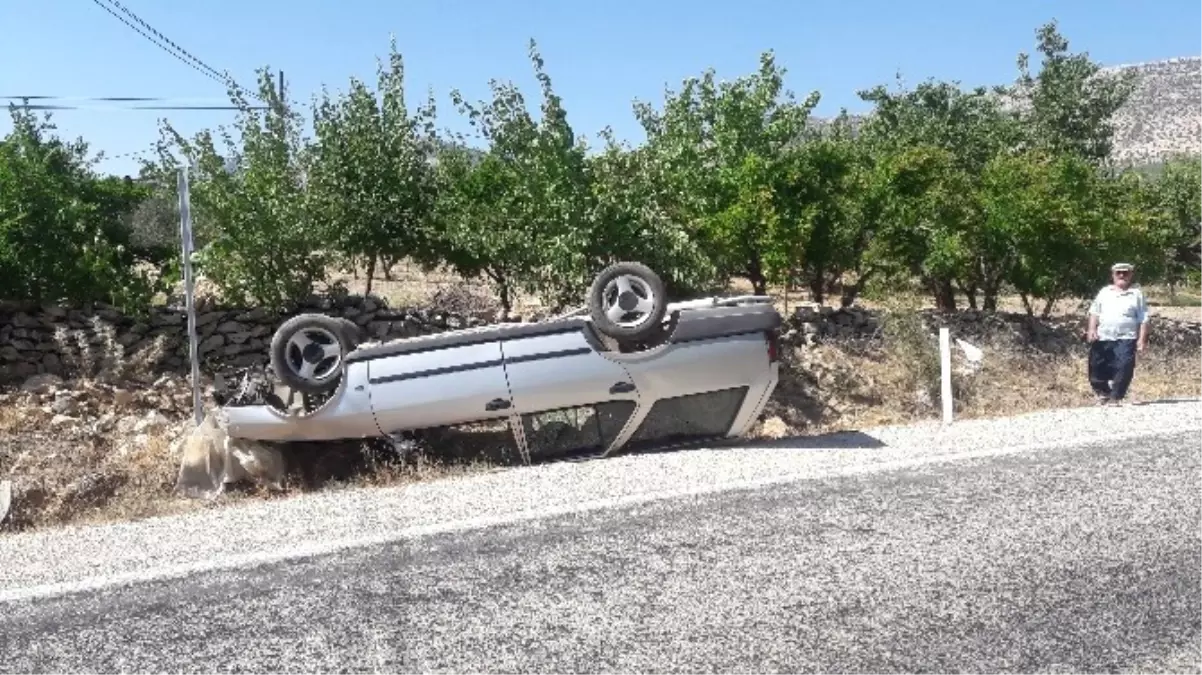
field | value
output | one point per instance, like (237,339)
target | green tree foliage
(630,223)
(371,179)
(522,213)
(251,203)
(62,235)
(829,223)
(1178,204)
(971,193)
(1068,105)
(719,158)
(936,139)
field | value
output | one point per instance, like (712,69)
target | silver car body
(519,374)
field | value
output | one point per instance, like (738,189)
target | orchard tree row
(967,193)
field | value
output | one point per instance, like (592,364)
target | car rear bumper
(347,414)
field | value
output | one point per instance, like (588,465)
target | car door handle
(621,388)
(497,404)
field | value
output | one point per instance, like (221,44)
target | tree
(371,183)
(717,157)
(517,213)
(825,233)
(934,140)
(1068,105)
(250,202)
(629,223)
(61,236)
(1178,195)
(1063,219)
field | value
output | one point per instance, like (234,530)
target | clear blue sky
(601,54)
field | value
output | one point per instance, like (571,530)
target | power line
(121,99)
(45,106)
(125,10)
(182,60)
(175,50)
(124,155)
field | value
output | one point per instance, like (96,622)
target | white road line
(310,550)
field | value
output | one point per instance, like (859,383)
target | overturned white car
(628,370)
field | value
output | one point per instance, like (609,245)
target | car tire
(627,302)
(354,334)
(308,352)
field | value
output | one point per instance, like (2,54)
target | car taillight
(773,347)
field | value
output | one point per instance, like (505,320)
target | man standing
(1118,328)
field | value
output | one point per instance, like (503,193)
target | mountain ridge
(1160,119)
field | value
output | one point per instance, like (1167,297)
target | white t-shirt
(1120,312)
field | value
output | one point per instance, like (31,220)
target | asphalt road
(1079,559)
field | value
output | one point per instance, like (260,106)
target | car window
(704,415)
(489,440)
(572,430)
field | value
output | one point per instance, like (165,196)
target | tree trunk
(991,293)
(852,291)
(817,285)
(504,293)
(1027,304)
(371,272)
(970,292)
(506,300)
(1049,306)
(848,297)
(944,294)
(755,274)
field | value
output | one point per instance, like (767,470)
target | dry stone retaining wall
(71,341)
(812,324)
(91,340)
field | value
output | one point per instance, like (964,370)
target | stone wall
(97,339)
(809,324)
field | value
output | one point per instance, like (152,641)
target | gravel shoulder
(48,562)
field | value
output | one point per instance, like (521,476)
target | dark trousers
(1111,361)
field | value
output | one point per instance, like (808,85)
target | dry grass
(831,387)
(410,286)
(61,480)
(72,478)
(119,459)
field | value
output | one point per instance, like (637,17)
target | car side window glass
(693,416)
(579,429)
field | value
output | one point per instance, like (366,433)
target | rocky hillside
(1162,118)
(1163,115)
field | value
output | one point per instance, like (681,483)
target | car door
(437,384)
(561,377)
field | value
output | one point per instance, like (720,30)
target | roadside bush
(912,354)
(251,203)
(62,239)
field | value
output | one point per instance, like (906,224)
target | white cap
(1122,267)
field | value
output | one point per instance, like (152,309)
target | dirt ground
(74,469)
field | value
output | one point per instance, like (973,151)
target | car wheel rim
(314,354)
(628,301)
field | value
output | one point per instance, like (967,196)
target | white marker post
(185,234)
(945,373)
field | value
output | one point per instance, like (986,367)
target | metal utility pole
(281,76)
(185,232)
